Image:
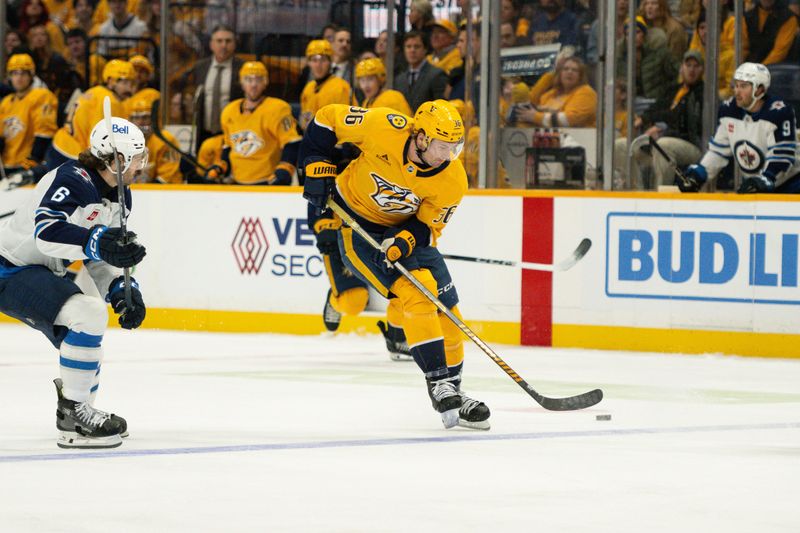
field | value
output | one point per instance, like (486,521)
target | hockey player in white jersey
(758,131)
(74,214)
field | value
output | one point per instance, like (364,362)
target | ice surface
(280,433)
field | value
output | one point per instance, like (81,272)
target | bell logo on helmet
(116,128)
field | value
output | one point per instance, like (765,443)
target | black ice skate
(331,316)
(473,414)
(446,399)
(82,426)
(395,342)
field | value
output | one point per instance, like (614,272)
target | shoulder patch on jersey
(287,123)
(776,105)
(82,173)
(392,198)
(397,121)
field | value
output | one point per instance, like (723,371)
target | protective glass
(440,149)
(139,161)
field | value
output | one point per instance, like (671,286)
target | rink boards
(693,274)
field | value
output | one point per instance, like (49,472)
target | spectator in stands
(83,17)
(656,71)
(554,24)
(547,80)
(570,103)
(122,23)
(444,55)
(323,89)
(727,27)
(656,14)
(219,77)
(371,77)
(420,17)
(619,25)
(77,48)
(688,11)
(163,163)
(620,111)
(507,37)
(60,11)
(342,62)
(27,117)
(421,81)
(676,121)
(143,84)
(34,13)
(510,14)
(381,47)
(456,84)
(52,68)
(768,33)
(329,32)
(13,39)
(726,62)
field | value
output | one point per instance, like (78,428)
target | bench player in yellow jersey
(324,88)
(371,77)
(27,117)
(118,79)
(163,163)
(260,133)
(403,189)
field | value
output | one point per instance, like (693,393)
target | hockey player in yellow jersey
(403,189)
(324,88)
(260,133)
(144,72)
(27,117)
(118,78)
(371,77)
(163,163)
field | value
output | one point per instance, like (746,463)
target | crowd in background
(72,42)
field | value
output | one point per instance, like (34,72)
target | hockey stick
(678,172)
(126,272)
(4,215)
(581,401)
(195,113)
(157,130)
(565,264)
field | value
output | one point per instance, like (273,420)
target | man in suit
(342,64)
(422,81)
(219,77)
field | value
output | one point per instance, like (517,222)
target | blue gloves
(129,318)
(113,247)
(695,176)
(760,183)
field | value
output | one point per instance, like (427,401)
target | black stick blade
(571,403)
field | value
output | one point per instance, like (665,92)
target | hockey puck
(603,417)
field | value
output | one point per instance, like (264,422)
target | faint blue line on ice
(360,443)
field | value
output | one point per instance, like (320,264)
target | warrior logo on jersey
(12,126)
(397,121)
(392,198)
(246,143)
(748,156)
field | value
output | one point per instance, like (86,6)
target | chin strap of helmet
(420,151)
(756,98)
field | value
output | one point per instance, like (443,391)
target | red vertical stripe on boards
(536,316)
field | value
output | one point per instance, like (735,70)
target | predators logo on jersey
(392,198)
(246,143)
(12,126)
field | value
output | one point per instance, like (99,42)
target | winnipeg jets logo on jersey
(392,198)
(749,157)
(82,173)
(12,126)
(246,143)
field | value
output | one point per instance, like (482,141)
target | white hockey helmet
(755,74)
(128,138)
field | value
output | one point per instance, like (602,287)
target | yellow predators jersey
(66,144)
(147,94)
(382,185)
(90,112)
(22,119)
(257,139)
(210,152)
(163,165)
(391,99)
(315,96)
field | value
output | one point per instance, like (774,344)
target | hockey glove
(280,177)
(326,230)
(129,318)
(114,247)
(396,245)
(760,183)
(319,182)
(696,176)
(17,179)
(214,173)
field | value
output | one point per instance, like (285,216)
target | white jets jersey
(762,143)
(51,228)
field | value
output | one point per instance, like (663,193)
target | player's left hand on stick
(760,183)
(396,245)
(320,179)
(129,318)
(114,247)
(326,230)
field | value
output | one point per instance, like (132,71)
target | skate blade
(482,425)
(71,440)
(450,418)
(124,435)
(400,357)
